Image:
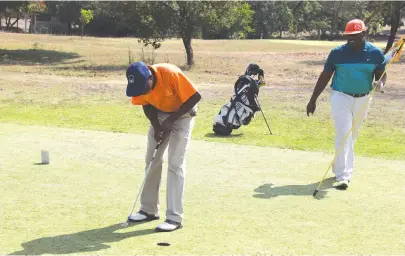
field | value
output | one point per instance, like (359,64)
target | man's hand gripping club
(163,131)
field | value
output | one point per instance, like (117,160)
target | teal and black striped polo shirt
(354,71)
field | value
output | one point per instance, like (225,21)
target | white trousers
(178,143)
(346,112)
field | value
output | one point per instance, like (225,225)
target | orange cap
(354,27)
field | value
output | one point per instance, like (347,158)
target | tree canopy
(154,21)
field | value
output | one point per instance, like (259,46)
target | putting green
(238,199)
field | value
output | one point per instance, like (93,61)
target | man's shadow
(267,191)
(85,241)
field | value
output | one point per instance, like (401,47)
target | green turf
(291,128)
(243,195)
(238,199)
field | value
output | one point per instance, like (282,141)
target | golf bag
(243,104)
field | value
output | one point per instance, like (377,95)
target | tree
(37,6)
(188,15)
(316,18)
(224,20)
(395,22)
(283,18)
(187,19)
(68,11)
(85,17)
(374,16)
(336,8)
(308,16)
(129,18)
(8,8)
(338,13)
(242,16)
(261,19)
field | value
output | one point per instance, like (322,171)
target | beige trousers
(177,142)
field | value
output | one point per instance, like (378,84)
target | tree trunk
(395,20)
(16,21)
(189,50)
(257,34)
(33,23)
(186,29)
(8,21)
(281,34)
(336,11)
(266,34)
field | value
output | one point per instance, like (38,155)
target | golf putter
(144,180)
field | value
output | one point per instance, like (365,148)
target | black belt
(356,95)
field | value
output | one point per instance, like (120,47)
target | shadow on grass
(103,68)
(314,62)
(185,67)
(91,68)
(30,57)
(85,241)
(268,191)
(213,135)
(41,164)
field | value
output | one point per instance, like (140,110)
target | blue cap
(138,75)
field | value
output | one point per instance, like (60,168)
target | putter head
(129,221)
(315,192)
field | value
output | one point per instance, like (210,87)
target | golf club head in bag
(242,106)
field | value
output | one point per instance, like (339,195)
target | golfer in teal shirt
(354,66)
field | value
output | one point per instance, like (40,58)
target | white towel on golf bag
(237,114)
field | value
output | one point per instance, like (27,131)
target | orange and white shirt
(172,89)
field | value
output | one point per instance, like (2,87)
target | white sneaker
(168,226)
(341,185)
(141,216)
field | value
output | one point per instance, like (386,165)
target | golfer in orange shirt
(169,100)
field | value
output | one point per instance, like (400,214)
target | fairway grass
(80,83)
(239,199)
(250,193)
(380,136)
